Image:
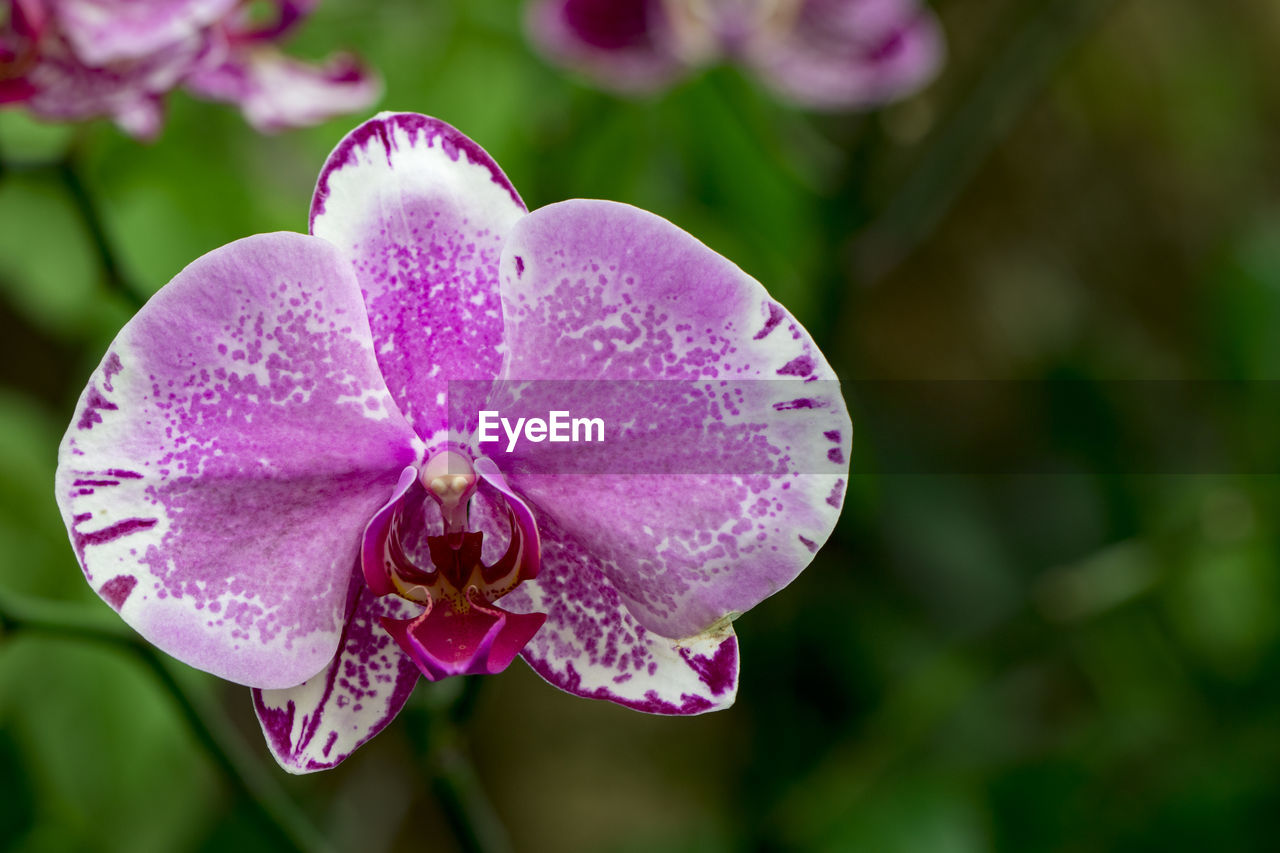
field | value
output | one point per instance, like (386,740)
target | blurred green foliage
(978,660)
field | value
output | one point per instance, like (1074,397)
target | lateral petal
(421,212)
(606,292)
(319,723)
(591,646)
(226,456)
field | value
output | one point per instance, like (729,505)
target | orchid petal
(421,212)
(622,44)
(606,292)
(64,88)
(276,92)
(226,456)
(852,53)
(317,724)
(591,646)
(108,31)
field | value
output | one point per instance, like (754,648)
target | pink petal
(226,455)
(622,44)
(317,724)
(852,53)
(64,88)
(422,212)
(108,31)
(602,291)
(276,92)
(591,646)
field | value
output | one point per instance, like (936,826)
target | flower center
(460,630)
(403,555)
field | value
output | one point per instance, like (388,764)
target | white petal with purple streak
(226,455)
(421,212)
(590,645)
(317,724)
(603,291)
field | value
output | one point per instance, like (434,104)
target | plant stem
(91,217)
(435,730)
(208,723)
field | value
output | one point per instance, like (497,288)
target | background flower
(79,59)
(825,54)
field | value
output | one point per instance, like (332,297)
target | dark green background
(978,660)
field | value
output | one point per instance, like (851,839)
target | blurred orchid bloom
(264,479)
(79,59)
(825,54)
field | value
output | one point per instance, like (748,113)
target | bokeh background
(1073,647)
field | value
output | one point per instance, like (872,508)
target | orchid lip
(443,571)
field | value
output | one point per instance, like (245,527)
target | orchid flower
(824,54)
(80,59)
(264,477)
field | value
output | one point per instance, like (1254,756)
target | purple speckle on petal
(116,590)
(93,404)
(802,403)
(277,723)
(799,366)
(110,368)
(107,534)
(719,671)
(775,317)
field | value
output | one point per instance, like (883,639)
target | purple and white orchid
(80,59)
(263,476)
(824,54)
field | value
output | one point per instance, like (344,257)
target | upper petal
(421,212)
(602,291)
(226,455)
